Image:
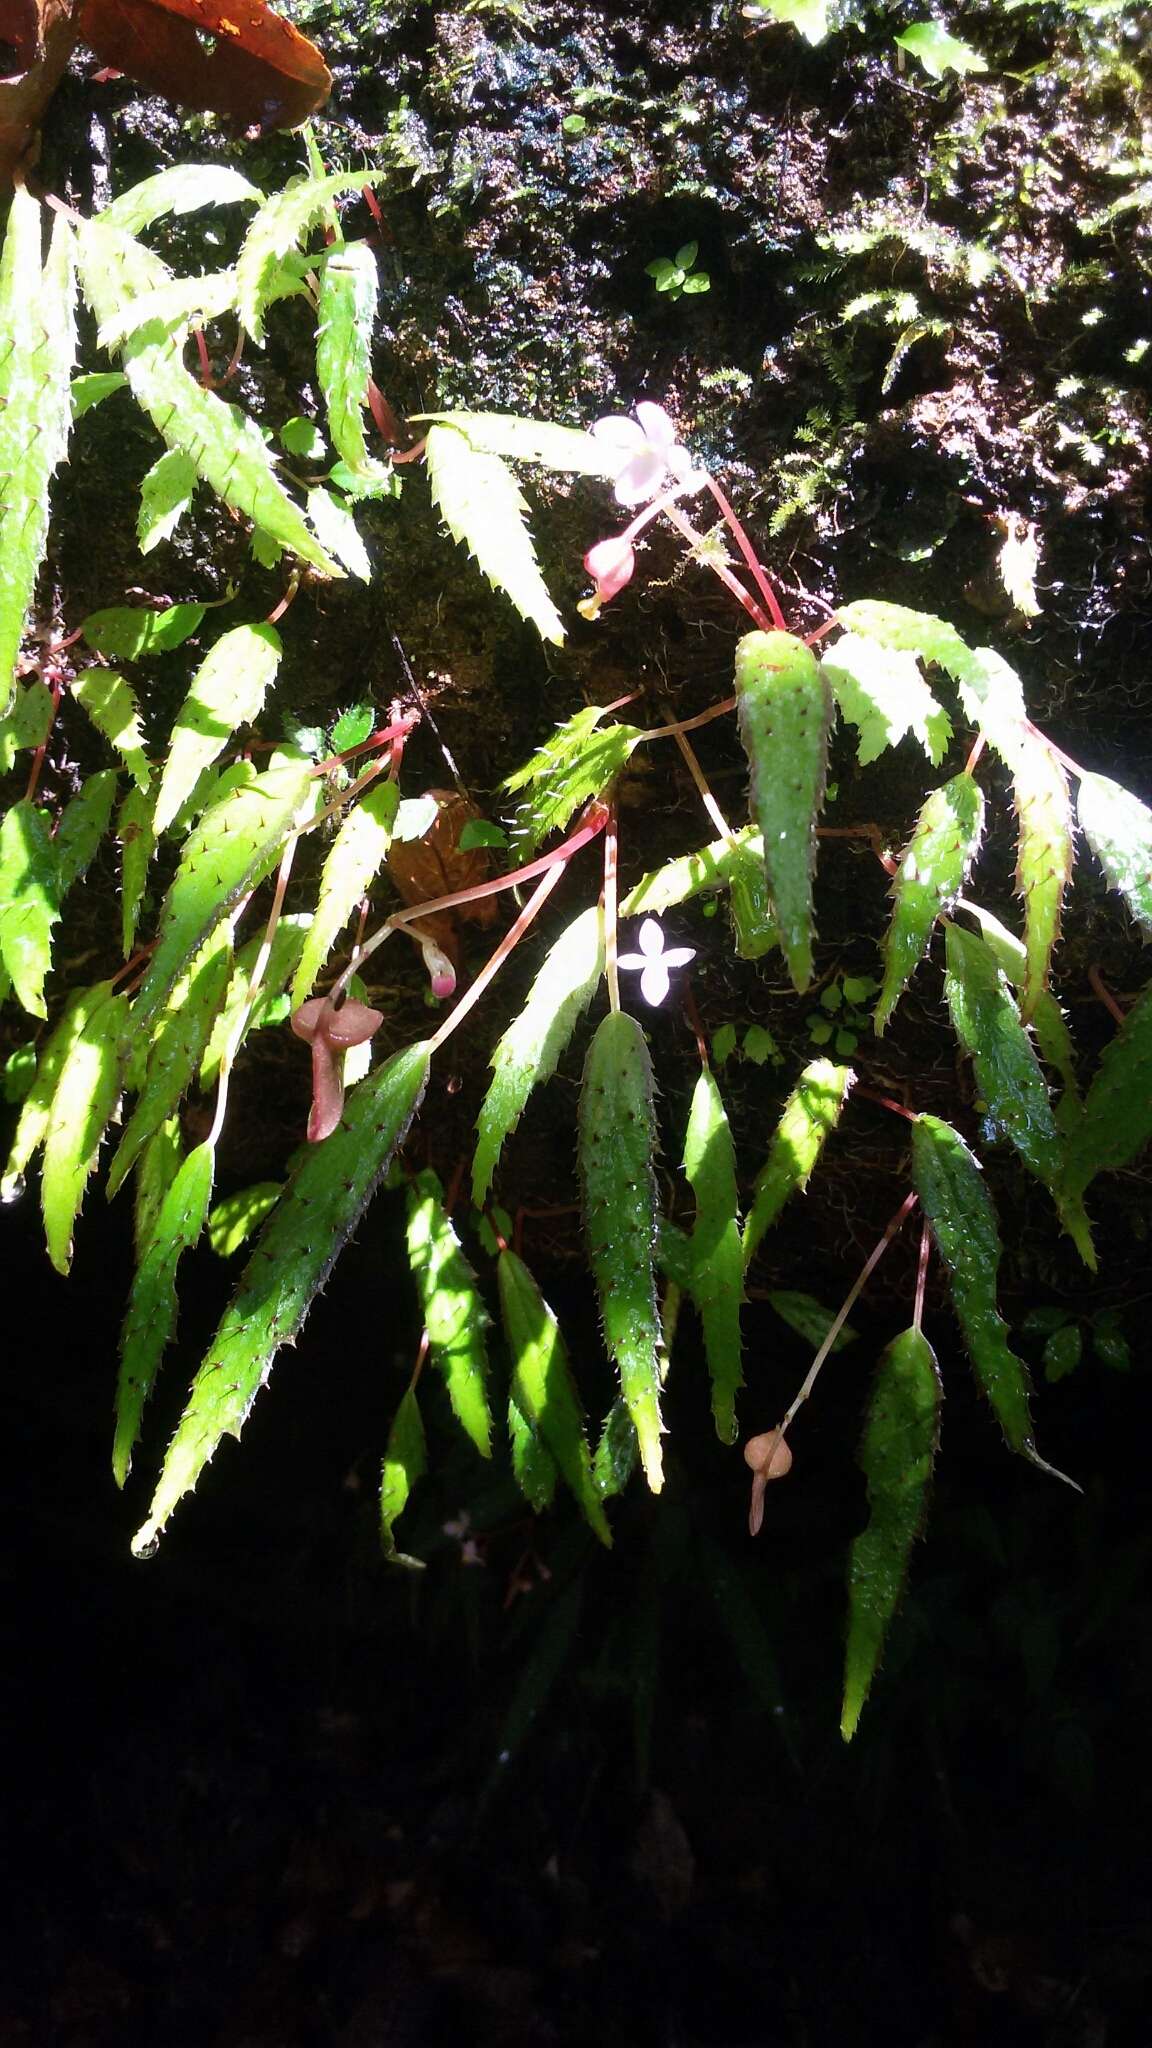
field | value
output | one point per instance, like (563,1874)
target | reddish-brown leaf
(231,57)
(21,38)
(434,866)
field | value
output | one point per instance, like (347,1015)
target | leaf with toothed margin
(151,1316)
(156,1169)
(543,1389)
(405,1461)
(137,842)
(455,1317)
(569,449)
(345,318)
(579,761)
(1118,828)
(274,231)
(933,868)
(785,710)
(811,1112)
(897,1454)
(268,1004)
(356,856)
(83,1101)
(175,1047)
(83,823)
(227,691)
(1116,1122)
(111,704)
(297,1249)
(710,867)
(29,901)
(482,506)
(881,691)
(1044,856)
(617,1144)
(75,1020)
(530,1048)
(1049,1023)
(717,1266)
(962,1220)
(533,1466)
(615,1456)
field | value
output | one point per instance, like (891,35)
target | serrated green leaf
(617,1143)
(962,1219)
(405,1461)
(579,762)
(282,222)
(83,823)
(785,711)
(520,440)
(151,1316)
(990,690)
(225,446)
(296,1251)
(75,1019)
(810,1114)
(530,1048)
(614,1460)
(533,1466)
(339,533)
(345,318)
(29,901)
(454,1314)
(93,389)
(930,43)
(1049,1023)
(809,16)
(269,1006)
(236,843)
(137,845)
(156,1169)
(482,506)
(227,691)
(235,1217)
(133,632)
(809,1317)
(1044,857)
(165,496)
(37,347)
(182,188)
(1116,1122)
(174,303)
(30,720)
(543,1386)
(881,691)
(110,703)
(356,856)
(1118,828)
(85,1097)
(717,1266)
(175,1045)
(897,1454)
(933,869)
(988,1026)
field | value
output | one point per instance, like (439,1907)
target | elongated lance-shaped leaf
(533,1466)
(156,1169)
(151,1316)
(283,221)
(83,823)
(897,1454)
(357,854)
(110,703)
(785,711)
(710,868)
(614,1459)
(345,318)
(225,446)
(1049,1023)
(1008,1075)
(236,843)
(1118,828)
(962,1219)
(180,302)
(175,1047)
(932,871)
(339,533)
(617,1133)
(543,1386)
(811,1112)
(1044,856)
(405,1461)
(881,691)
(266,1005)
(137,845)
(295,1254)
(579,761)
(454,1314)
(182,188)
(717,1269)
(482,506)
(1116,1122)
(37,348)
(989,689)
(530,1048)
(28,723)
(85,1097)
(519,440)
(227,691)
(32,1126)
(29,901)
(165,496)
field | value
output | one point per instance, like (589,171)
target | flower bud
(610,564)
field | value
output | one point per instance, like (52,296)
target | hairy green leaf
(933,869)
(227,691)
(93,389)
(897,1453)
(84,1099)
(356,856)
(174,303)
(811,1112)
(750,903)
(785,711)
(533,1466)
(281,223)
(165,496)
(1049,1023)
(345,318)
(295,1254)
(234,1217)
(520,440)
(111,705)
(579,761)
(405,1461)
(710,867)
(133,632)
(990,690)
(881,691)
(1118,828)
(1044,857)
(1116,1122)
(83,823)
(614,1460)
(74,1022)
(268,1004)
(617,1142)
(962,1219)
(482,506)
(37,347)
(808,1317)
(137,845)
(530,1048)
(543,1386)
(29,901)
(454,1314)
(175,1046)
(151,1316)
(156,1169)
(717,1282)
(182,188)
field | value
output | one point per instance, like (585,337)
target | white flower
(652,962)
(646,453)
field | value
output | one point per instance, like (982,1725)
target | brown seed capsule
(769,1457)
(330,1032)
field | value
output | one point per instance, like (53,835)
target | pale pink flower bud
(611,564)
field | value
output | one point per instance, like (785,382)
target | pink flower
(610,564)
(644,452)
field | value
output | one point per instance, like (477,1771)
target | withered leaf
(434,865)
(231,57)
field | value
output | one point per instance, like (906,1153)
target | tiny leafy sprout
(842,1017)
(652,962)
(644,453)
(674,276)
(330,1032)
(1064,1334)
(768,1457)
(574,124)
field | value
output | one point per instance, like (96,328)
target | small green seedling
(842,1018)
(1064,1334)
(675,275)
